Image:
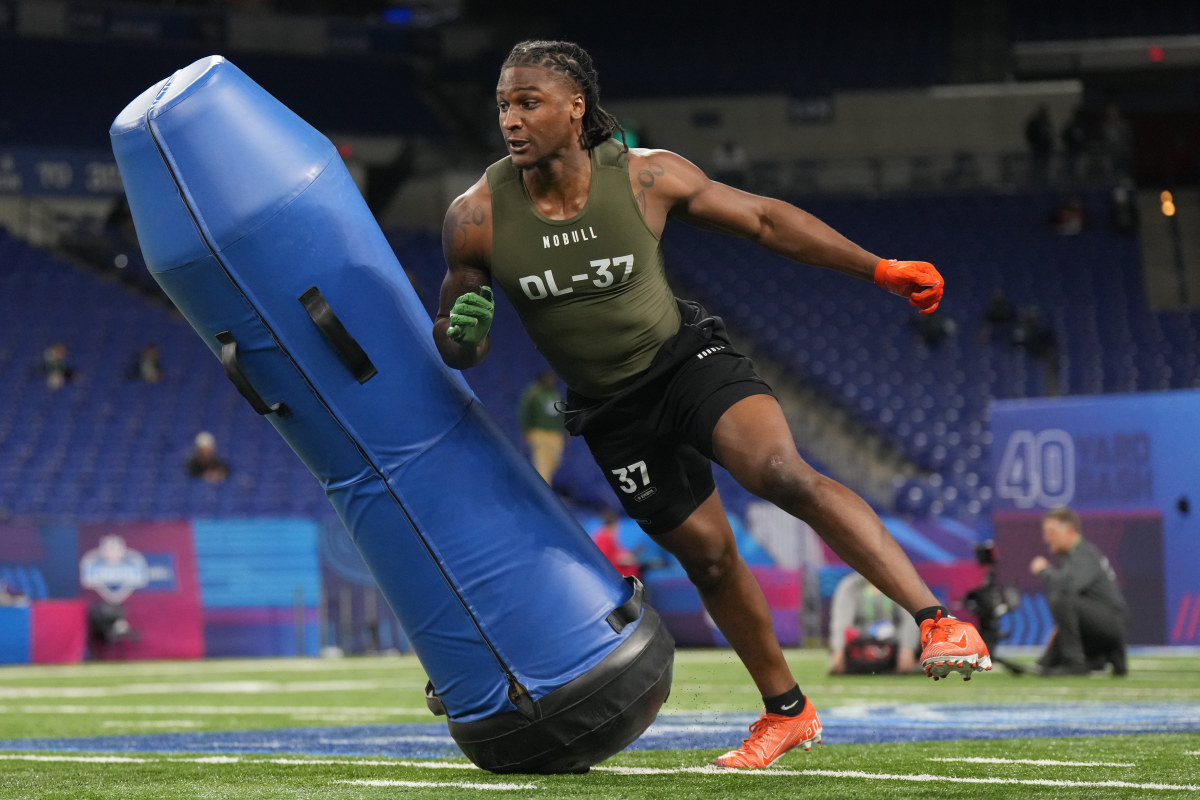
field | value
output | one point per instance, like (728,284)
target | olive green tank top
(590,290)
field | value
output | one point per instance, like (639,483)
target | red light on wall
(345,149)
(1156,53)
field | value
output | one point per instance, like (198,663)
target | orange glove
(919,281)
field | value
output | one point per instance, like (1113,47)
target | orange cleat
(952,645)
(771,736)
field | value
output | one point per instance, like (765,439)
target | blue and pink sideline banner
(188,589)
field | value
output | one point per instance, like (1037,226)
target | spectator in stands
(569,226)
(1069,218)
(1089,610)
(1036,338)
(1000,312)
(1039,135)
(55,366)
(148,365)
(542,425)
(607,538)
(1116,142)
(868,633)
(1075,142)
(118,225)
(1033,334)
(1124,214)
(934,329)
(999,317)
(204,462)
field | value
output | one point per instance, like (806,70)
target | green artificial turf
(107,699)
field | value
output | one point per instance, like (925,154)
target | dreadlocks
(575,62)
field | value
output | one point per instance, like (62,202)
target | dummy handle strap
(631,609)
(233,371)
(348,350)
(433,702)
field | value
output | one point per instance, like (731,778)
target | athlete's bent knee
(709,570)
(786,481)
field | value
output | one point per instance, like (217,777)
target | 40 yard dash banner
(1129,465)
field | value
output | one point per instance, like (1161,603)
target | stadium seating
(108,446)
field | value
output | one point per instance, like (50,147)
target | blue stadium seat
(108,445)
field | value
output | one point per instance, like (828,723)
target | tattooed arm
(467,248)
(667,184)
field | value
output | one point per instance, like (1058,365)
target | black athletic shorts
(653,441)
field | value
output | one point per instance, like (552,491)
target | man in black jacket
(1089,610)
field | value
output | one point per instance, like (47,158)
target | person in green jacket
(542,425)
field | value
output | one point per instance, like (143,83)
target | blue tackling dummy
(541,656)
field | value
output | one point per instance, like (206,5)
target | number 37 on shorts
(633,478)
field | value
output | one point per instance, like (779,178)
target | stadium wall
(863,140)
(985,119)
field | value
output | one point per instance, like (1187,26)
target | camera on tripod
(990,601)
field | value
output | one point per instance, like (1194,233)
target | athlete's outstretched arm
(787,230)
(776,225)
(466,290)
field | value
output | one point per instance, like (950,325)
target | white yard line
(293,762)
(883,776)
(1037,762)
(1158,787)
(151,723)
(362,762)
(1042,694)
(226,760)
(705,770)
(504,787)
(81,759)
(160,669)
(211,687)
(364,712)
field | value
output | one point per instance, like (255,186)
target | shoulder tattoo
(646,175)
(471,216)
(645,179)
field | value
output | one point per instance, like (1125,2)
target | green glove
(471,317)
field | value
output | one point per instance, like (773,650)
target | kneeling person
(1089,610)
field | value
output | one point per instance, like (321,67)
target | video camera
(990,601)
